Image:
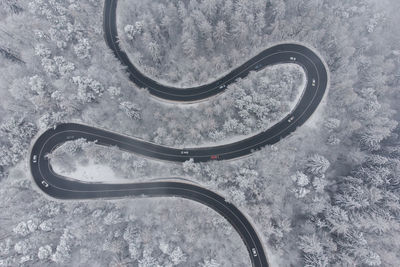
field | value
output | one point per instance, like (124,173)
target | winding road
(61,187)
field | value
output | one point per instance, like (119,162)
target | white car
(292,58)
(254,252)
(313,82)
(291,119)
(222,86)
(34,159)
(45,184)
(185,152)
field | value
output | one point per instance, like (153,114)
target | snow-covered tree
(164,247)
(220,33)
(64,67)
(37,85)
(88,88)
(63,250)
(21,229)
(131,233)
(236,197)
(44,252)
(332,123)
(190,166)
(113,217)
(317,164)
(313,251)
(154,50)
(133,30)
(147,260)
(300,179)
(45,226)
(42,51)
(49,66)
(210,263)
(82,48)
(114,91)
(177,256)
(189,46)
(22,247)
(131,110)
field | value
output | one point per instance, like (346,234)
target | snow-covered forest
(212,36)
(146,232)
(328,195)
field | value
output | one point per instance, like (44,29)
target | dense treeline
(104,233)
(213,35)
(339,180)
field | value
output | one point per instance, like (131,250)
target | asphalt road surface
(61,187)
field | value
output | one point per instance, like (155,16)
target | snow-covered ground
(88,162)
(89,172)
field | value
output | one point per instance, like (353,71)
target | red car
(214,157)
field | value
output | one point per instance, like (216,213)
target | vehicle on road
(214,157)
(313,82)
(34,159)
(222,86)
(291,119)
(184,152)
(45,184)
(293,58)
(70,137)
(254,252)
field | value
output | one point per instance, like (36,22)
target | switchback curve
(64,188)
